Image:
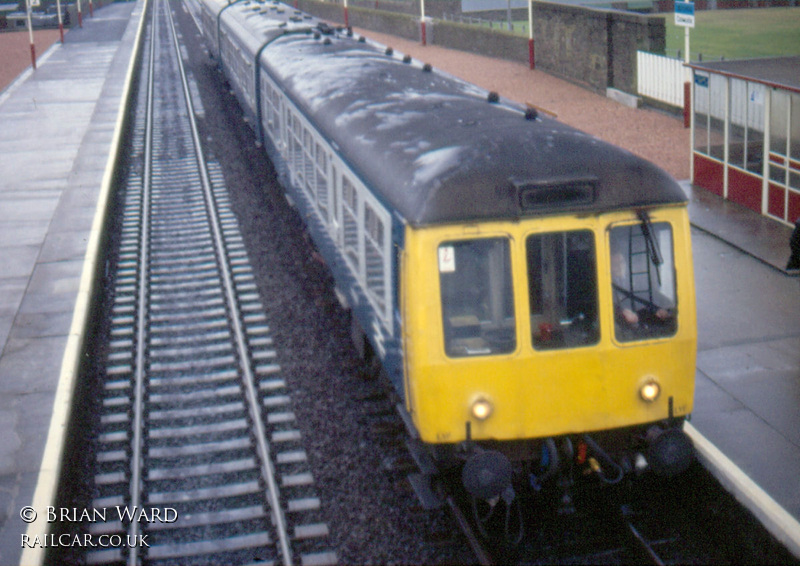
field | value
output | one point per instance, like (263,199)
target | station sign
(684,14)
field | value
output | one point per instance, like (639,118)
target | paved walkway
(58,124)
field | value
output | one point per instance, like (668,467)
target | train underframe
(500,479)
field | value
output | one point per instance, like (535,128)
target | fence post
(687,87)
(30,33)
(60,20)
(423,38)
(531,55)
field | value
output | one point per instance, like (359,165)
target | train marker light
(481,409)
(650,390)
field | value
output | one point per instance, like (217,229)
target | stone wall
(592,47)
(483,41)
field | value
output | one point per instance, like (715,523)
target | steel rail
(268,471)
(482,556)
(643,546)
(141,313)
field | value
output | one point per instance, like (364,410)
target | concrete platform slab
(58,125)
(763,238)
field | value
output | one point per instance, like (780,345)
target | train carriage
(518,279)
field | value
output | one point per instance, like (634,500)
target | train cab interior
(477,295)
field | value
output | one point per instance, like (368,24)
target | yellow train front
(579,327)
(526,288)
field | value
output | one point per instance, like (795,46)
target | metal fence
(660,78)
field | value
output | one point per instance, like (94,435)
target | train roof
(436,149)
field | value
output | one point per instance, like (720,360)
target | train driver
(643,296)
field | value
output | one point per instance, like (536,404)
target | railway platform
(58,140)
(58,132)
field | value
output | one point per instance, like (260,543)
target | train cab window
(562,288)
(477,297)
(643,281)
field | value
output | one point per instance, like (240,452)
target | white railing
(660,78)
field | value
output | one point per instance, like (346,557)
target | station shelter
(746,133)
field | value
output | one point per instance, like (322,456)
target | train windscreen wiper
(653,248)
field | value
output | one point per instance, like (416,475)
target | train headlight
(481,409)
(650,390)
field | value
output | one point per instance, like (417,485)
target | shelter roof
(778,72)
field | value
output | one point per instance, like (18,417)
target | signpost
(684,14)
(684,17)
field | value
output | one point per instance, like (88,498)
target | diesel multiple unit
(526,287)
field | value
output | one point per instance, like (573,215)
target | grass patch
(732,34)
(738,34)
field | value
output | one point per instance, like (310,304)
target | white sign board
(684,14)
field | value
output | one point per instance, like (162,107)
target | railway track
(199,458)
(689,520)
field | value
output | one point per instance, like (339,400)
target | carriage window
(350,222)
(562,286)
(477,297)
(643,281)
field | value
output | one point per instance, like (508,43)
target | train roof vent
(325,28)
(389,51)
(427,67)
(406,58)
(555,194)
(493,97)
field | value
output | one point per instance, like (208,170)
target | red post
(60,20)
(687,105)
(423,34)
(91,9)
(531,58)
(346,18)
(30,33)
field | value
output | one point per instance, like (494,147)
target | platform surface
(56,126)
